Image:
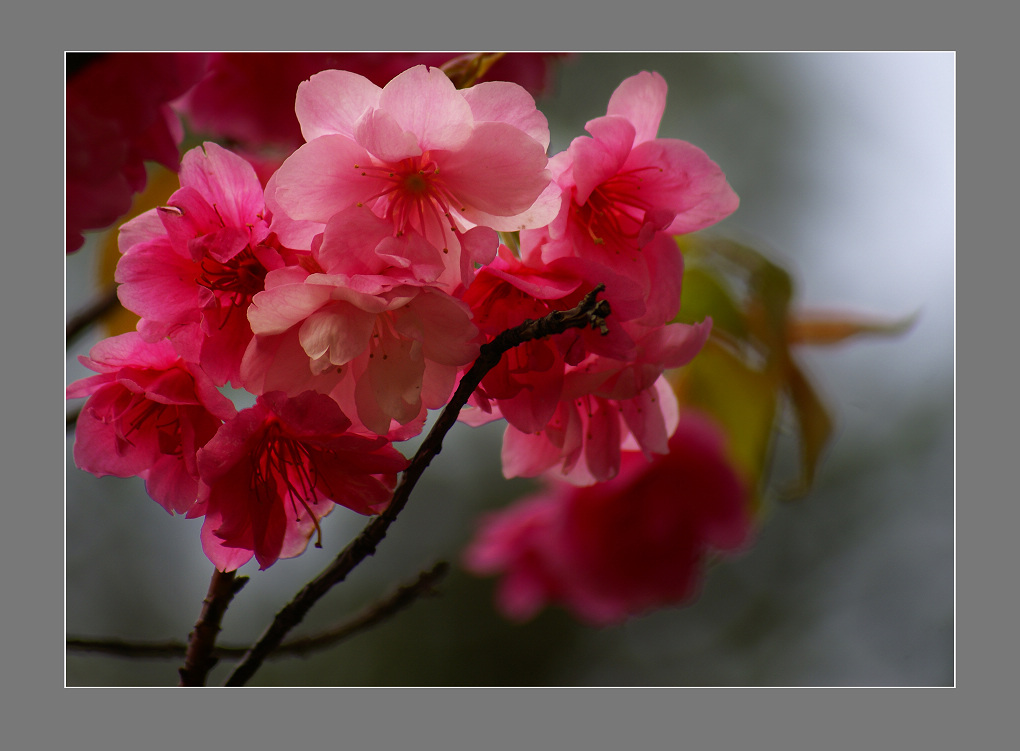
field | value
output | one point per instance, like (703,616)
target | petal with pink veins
(504,102)
(641,99)
(425,102)
(324,177)
(332,101)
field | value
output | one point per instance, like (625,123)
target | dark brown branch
(589,312)
(370,616)
(199,659)
(134,649)
(423,586)
(90,314)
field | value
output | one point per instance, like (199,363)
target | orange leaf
(818,328)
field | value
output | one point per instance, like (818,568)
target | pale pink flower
(621,548)
(189,269)
(148,412)
(423,155)
(368,330)
(270,474)
(622,185)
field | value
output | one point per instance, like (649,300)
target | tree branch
(375,613)
(589,312)
(199,659)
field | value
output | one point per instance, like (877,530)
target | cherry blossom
(275,470)
(622,185)
(148,412)
(367,329)
(190,268)
(423,155)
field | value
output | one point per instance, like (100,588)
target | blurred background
(845,166)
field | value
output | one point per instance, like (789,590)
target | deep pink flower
(148,412)
(572,401)
(624,547)
(622,185)
(528,380)
(423,155)
(117,118)
(190,268)
(271,473)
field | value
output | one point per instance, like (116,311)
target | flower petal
(332,101)
(500,170)
(425,102)
(324,177)
(504,102)
(641,99)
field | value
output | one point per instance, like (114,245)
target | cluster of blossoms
(353,290)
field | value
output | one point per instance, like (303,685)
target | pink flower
(621,548)
(528,380)
(574,400)
(370,331)
(583,441)
(623,185)
(118,117)
(147,414)
(190,268)
(423,155)
(271,473)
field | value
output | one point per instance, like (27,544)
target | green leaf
(703,295)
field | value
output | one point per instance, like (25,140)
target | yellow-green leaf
(703,294)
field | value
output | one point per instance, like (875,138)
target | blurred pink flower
(148,412)
(271,473)
(117,118)
(624,547)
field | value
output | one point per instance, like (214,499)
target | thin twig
(90,314)
(589,312)
(199,659)
(135,649)
(370,616)
(375,613)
